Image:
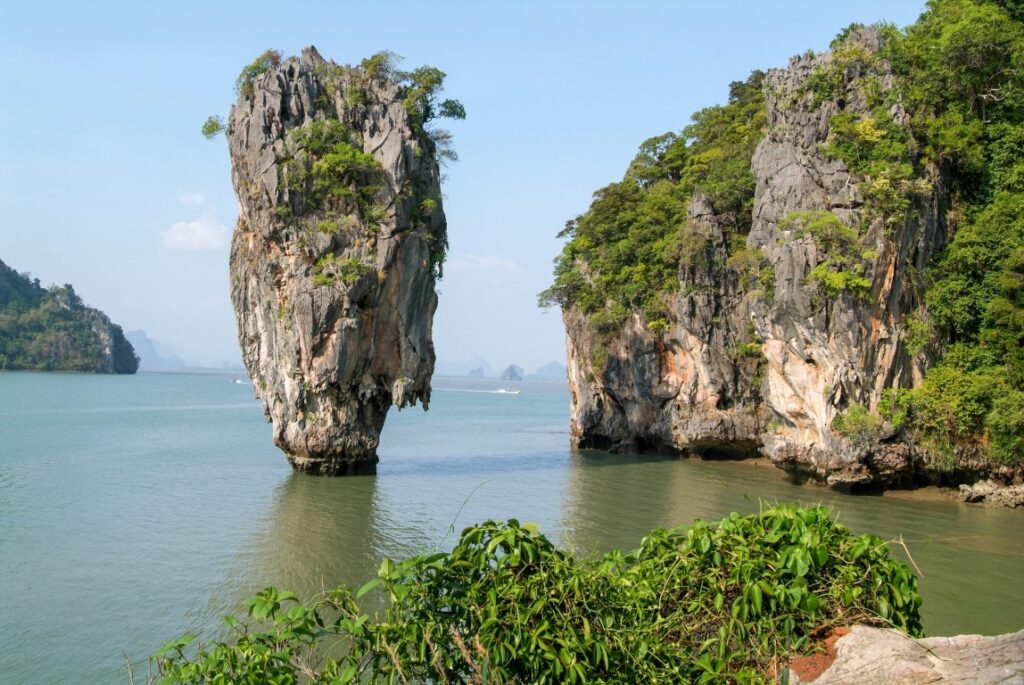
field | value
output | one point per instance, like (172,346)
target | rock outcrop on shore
(993,492)
(339,242)
(874,656)
(764,361)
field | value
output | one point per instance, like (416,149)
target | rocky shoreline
(1005,490)
(876,656)
(993,493)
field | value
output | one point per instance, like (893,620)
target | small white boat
(239,381)
(508,391)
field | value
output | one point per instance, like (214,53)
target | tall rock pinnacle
(339,241)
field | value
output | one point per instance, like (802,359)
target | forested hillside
(52,330)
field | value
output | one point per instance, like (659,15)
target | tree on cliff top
(421,98)
(624,252)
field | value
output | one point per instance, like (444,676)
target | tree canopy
(52,330)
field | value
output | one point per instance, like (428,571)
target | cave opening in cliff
(737,450)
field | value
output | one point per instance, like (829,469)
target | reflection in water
(613,500)
(134,527)
(319,533)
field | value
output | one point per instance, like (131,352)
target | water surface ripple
(134,509)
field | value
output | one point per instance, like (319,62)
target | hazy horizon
(109,185)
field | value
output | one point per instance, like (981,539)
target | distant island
(51,329)
(512,373)
(478,367)
(552,371)
(153,356)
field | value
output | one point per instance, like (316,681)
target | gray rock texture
(117,352)
(873,656)
(334,295)
(744,369)
(993,492)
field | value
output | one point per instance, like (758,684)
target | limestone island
(340,239)
(825,271)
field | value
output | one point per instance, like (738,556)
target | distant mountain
(464,368)
(51,329)
(549,372)
(153,356)
(232,365)
(512,373)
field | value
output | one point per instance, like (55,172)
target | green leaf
(348,675)
(366,587)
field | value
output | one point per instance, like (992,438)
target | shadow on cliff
(719,451)
(598,456)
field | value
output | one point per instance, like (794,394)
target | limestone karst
(763,283)
(339,242)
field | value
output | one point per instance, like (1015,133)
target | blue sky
(107,184)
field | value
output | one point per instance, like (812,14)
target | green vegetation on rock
(330,270)
(723,603)
(422,87)
(213,126)
(959,77)
(932,122)
(877,150)
(623,254)
(858,424)
(259,66)
(755,272)
(50,329)
(331,184)
(328,170)
(844,263)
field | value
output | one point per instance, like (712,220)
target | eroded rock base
(366,466)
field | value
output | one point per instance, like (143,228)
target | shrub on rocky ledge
(729,602)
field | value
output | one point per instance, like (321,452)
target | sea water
(134,509)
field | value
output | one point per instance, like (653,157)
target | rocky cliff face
(824,354)
(116,353)
(766,367)
(333,262)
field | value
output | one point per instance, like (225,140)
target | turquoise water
(134,509)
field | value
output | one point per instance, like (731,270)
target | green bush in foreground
(729,602)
